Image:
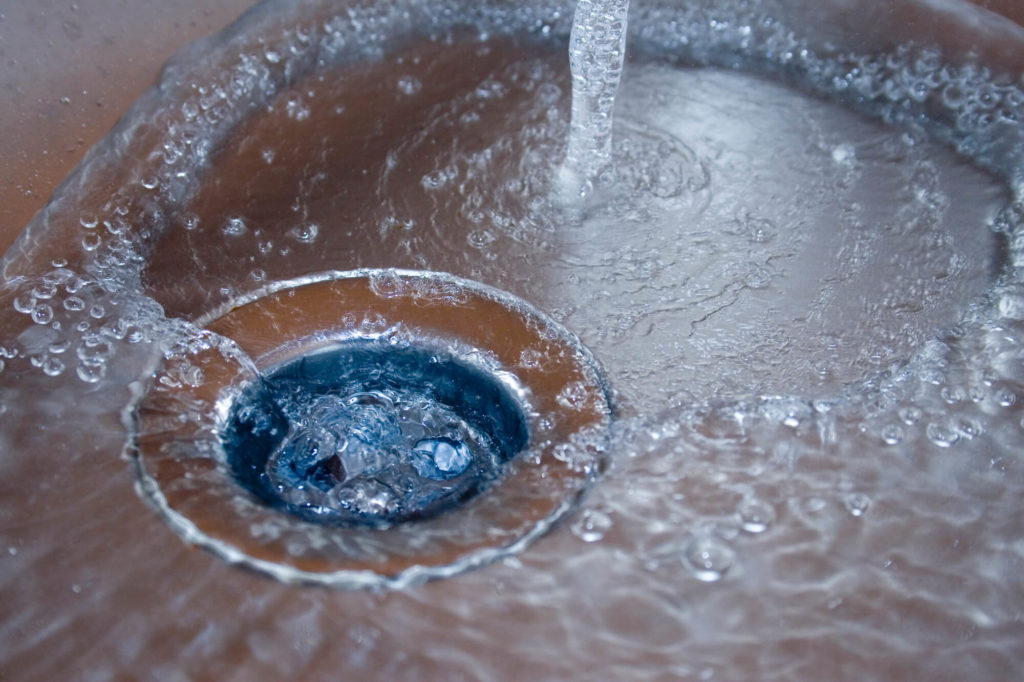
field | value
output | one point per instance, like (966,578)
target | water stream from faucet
(597,50)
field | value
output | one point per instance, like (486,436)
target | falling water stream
(794,259)
(597,52)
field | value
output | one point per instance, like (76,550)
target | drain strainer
(372,427)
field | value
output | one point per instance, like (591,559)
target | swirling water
(809,308)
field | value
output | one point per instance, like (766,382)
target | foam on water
(811,311)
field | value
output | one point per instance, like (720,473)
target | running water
(597,50)
(811,313)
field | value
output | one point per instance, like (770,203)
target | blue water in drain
(365,433)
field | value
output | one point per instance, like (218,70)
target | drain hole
(366,433)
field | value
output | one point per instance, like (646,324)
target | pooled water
(801,280)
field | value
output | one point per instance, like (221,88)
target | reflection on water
(811,318)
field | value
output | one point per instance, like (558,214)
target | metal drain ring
(183,471)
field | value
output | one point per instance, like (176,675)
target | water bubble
(1007,398)
(574,395)
(88,220)
(480,239)
(952,394)
(709,559)
(968,428)
(440,458)
(409,85)
(305,233)
(91,241)
(74,304)
(25,303)
(813,504)
(758,278)
(296,108)
(844,154)
(892,434)
(940,435)
(857,503)
(190,221)
(387,284)
(94,349)
(529,358)
(42,314)
(53,367)
(44,291)
(910,415)
(234,227)
(75,284)
(756,516)
(150,182)
(977,392)
(591,525)
(91,373)
(436,179)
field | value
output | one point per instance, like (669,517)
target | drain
(370,428)
(367,433)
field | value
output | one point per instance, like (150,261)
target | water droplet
(190,221)
(591,525)
(756,516)
(1007,398)
(709,559)
(857,503)
(88,220)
